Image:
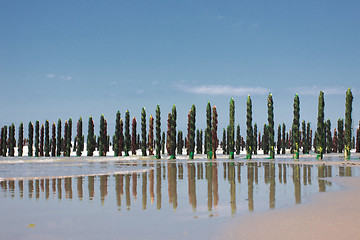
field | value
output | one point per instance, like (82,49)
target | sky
(61,59)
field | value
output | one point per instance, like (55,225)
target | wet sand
(328,215)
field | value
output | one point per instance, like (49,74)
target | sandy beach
(328,215)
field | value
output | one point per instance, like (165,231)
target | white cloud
(113,83)
(315,90)
(68,78)
(225,90)
(50,75)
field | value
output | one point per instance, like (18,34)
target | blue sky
(80,58)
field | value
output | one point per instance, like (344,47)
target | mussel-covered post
(271,126)
(79,138)
(238,140)
(53,140)
(278,144)
(283,140)
(127,133)
(21,140)
(151,136)
(328,136)
(320,131)
(208,138)
(116,143)
(158,132)
(68,142)
(254,147)
(42,140)
(37,133)
(249,128)
(103,137)
(191,131)
(90,146)
(12,140)
(231,129)
(47,139)
(214,131)
(58,147)
(340,135)
(4,141)
(31,137)
(296,127)
(173,131)
(133,136)
(143,132)
(348,122)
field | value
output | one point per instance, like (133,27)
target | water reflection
(206,192)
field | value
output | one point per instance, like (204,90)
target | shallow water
(87,198)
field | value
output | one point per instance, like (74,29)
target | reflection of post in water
(215,184)
(256,169)
(37,188)
(3,185)
(59,190)
(192,185)
(304,174)
(231,176)
(280,173)
(164,171)
(144,189)
(321,174)
(272,186)
(181,171)
(68,188)
(42,186)
(224,166)
(200,171)
(12,188)
(341,171)
(21,188)
(151,179)
(47,188)
(134,185)
(119,182)
(297,184)
(127,191)
(328,174)
(91,180)
(239,172)
(324,171)
(348,172)
(266,172)
(329,171)
(103,187)
(158,186)
(284,173)
(208,176)
(172,186)
(80,187)
(309,168)
(250,178)
(31,188)
(53,184)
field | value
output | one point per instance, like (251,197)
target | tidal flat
(140,197)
